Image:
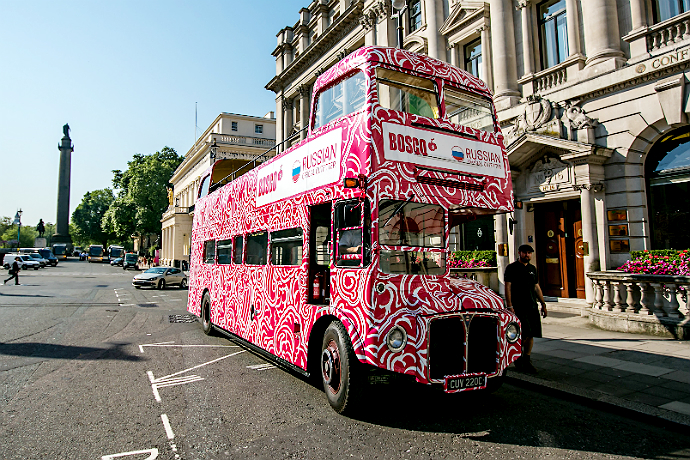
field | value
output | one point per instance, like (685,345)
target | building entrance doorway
(560,259)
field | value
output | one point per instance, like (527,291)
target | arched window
(667,171)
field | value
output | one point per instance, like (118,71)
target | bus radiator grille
(447,347)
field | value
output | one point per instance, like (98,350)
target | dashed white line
(166,425)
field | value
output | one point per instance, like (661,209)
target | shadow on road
(55,351)
(2,294)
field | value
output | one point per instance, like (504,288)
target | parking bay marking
(153,452)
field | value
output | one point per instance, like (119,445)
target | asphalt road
(91,368)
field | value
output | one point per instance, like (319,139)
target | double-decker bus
(115,251)
(330,258)
(95,253)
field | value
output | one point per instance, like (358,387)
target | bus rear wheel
(339,369)
(206,314)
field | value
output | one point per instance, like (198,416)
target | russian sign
(310,166)
(437,150)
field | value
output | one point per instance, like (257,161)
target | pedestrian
(14,272)
(522,293)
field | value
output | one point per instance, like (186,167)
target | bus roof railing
(232,176)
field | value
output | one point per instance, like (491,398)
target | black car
(130,260)
(116,262)
(48,255)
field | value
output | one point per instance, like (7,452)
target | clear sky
(125,75)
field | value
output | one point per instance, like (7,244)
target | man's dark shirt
(522,279)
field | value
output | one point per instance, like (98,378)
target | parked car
(37,257)
(131,260)
(116,262)
(25,263)
(160,277)
(48,255)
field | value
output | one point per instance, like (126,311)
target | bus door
(320,248)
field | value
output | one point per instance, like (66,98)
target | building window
(259,129)
(415,12)
(473,58)
(667,171)
(234,126)
(666,9)
(553,33)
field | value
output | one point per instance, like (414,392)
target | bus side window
(286,247)
(237,252)
(203,189)
(339,100)
(354,234)
(257,245)
(210,251)
(224,252)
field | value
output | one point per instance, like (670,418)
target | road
(92,368)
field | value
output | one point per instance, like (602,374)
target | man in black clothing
(522,292)
(14,271)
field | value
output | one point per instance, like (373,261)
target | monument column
(66,148)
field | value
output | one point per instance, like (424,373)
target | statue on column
(65,130)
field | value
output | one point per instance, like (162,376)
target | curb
(525,380)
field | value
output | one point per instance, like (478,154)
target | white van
(25,263)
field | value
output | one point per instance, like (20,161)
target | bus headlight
(396,339)
(512,333)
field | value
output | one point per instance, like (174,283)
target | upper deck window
(339,100)
(203,189)
(467,110)
(407,93)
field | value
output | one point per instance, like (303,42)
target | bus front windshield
(415,225)
(96,251)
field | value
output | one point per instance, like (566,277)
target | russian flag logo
(296,169)
(458,153)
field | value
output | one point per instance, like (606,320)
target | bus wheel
(339,369)
(206,314)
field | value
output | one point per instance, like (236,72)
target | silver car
(160,277)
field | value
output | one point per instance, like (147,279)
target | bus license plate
(455,383)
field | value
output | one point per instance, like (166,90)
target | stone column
(572,18)
(304,93)
(454,58)
(287,121)
(527,46)
(503,54)
(589,236)
(432,10)
(486,54)
(368,21)
(638,14)
(501,261)
(62,228)
(602,34)
(279,123)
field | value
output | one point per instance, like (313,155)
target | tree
(86,219)
(141,194)
(28,235)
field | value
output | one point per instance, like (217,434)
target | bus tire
(206,314)
(339,369)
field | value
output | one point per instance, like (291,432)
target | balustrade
(669,32)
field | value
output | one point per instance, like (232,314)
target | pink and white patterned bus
(330,258)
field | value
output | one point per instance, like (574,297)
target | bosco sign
(434,149)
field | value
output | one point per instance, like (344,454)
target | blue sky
(126,76)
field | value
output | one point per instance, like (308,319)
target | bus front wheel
(206,314)
(339,368)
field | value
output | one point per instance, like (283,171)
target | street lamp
(399,6)
(18,221)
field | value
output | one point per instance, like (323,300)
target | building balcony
(231,139)
(660,38)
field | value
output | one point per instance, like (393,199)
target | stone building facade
(591,99)
(231,139)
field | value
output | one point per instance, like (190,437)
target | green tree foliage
(27,235)
(141,194)
(86,219)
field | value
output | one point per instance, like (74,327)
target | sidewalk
(646,374)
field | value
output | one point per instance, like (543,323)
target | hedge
(487,256)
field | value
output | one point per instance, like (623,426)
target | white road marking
(166,425)
(168,381)
(153,452)
(153,345)
(167,344)
(261,367)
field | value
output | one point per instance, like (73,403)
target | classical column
(638,14)
(572,19)
(486,54)
(287,120)
(503,52)
(431,12)
(602,34)
(454,56)
(501,261)
(279,124)
(589,236)
(304,93)
(527,46)
(64,173)
(368,21)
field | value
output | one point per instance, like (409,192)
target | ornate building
(591,99)
(231,139)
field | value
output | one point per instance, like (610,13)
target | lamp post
(18,221)
(400,6)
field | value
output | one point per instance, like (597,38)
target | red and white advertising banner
(310,166)
(437,150)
